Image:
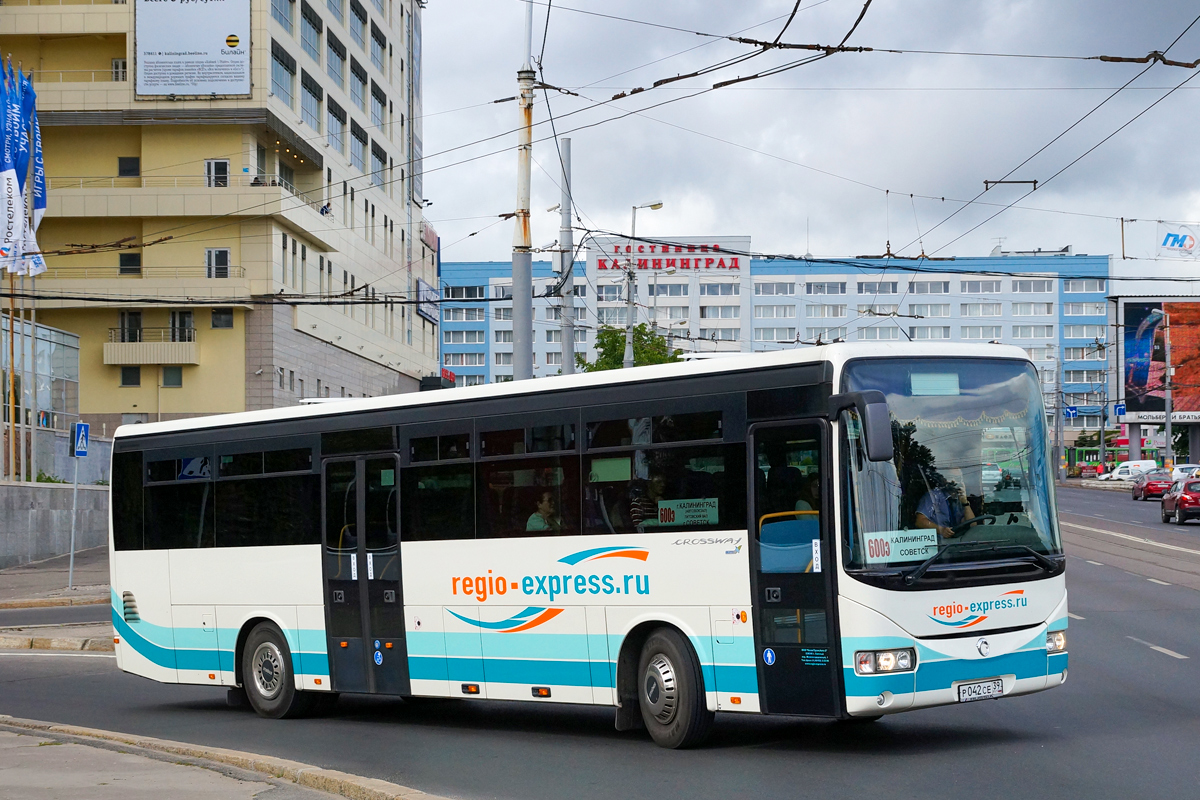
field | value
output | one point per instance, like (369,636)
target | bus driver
(945,505)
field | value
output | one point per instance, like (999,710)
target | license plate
(984,690)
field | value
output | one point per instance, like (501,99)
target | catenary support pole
(1169,381)
(1058,421)
(522,259)
(630,288)
(566,244)
(11,472)
(33,402)
(23,426)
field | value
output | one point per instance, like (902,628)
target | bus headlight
(1056,641)
(871,662)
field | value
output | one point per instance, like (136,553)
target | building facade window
(721,334)
(216,262)
(986,332)
(1033,309)
(131,376)
(463,337)
(981,287)
(310,32)
(311,96)
(1085,285)
(929,287)
(720,312)
(1033,331)
(378,48)
(774,312)
(222,318)
(1084,309)
(129,264)
(1084,332)
(464,314)
(821,311)
(504,337)
(335,126)
(1083,354)
(824,334)
(335,60)
(819,287)
(921,332)
(465,293)
(282,11)
(775,288)
(1032,286)
(878,333)
(877,287)
(172,377)
(358,85)
(982,309)
(719,289)
(465,359)
(358,147)
(358,24)
(774,334)
(378,165)
(283,73)
(879,310)
(337,8)
(1085,376)
(929,309)
(503,359)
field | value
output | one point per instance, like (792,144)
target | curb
(325,780)
(1108,486)
(9,642)
(49,602)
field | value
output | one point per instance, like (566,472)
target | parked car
(1181,502)
(1154,483)
(1128,470)
(1182,471)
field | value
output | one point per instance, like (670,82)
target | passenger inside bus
(944,504)
(545,518)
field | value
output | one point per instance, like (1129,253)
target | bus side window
(437,501)
(180,515)
(269,511)
(529,497)
(126,499)
(664,489)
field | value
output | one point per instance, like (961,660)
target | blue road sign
(79,436)
(768,656)
(1119,410)
(1071,412)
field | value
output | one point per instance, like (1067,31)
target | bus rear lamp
(1056,641)
(871,662)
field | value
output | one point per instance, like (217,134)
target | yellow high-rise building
(194,183)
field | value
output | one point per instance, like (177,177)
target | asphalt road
(54,615)
(1125,724)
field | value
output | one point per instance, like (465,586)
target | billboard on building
(187,48)
(1143,340)
(704,254)
(427,301)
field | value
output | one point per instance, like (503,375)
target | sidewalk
(44,583)
(40,768)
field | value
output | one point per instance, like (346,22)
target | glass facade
(57,370)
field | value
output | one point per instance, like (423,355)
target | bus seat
(785,545)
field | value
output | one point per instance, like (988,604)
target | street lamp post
(630,284)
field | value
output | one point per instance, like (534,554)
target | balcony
(132,347)
(183,195)
(149,273)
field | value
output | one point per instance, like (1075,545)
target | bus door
(364,609)
(793,566)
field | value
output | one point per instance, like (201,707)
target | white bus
(809,532)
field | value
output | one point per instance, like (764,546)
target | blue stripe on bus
(872,685)
(941,674)
(1056,663)
(736,678)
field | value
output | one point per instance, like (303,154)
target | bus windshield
(970,469)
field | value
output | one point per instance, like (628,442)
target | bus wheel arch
(266,670)
(681,655)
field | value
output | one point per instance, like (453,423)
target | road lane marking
(1075,616)
(52,654)
(1160,583)
(1097,563)
(1139,539)
(1163,650)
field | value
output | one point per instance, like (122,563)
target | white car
(1182,471)
(1128,471)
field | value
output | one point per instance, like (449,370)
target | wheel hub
(660,689)
(267,666)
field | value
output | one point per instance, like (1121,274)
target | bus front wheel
(267,674)
(671,691)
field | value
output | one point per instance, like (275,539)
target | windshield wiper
(915,574)
(1043,561)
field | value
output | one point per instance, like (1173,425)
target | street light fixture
(630,285)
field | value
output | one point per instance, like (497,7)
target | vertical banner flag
(12,205)
(32,262)
(1178,241)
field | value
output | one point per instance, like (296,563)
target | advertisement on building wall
(188,48)
(427,301)
(1178,241)
(711,255)
(1144,355)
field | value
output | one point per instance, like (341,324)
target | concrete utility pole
(566,264)
(1169,449)
(1058,420)
(522,260)
(631,285)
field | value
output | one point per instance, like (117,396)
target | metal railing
(110,75)
(152,335)
(241,181)
(99,273)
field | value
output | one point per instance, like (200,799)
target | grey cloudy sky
(817,146)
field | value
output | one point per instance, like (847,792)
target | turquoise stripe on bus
(941,674)
(1056,663)
(532,672)
(872,685)
(736,678)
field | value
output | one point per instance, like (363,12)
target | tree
(648,348)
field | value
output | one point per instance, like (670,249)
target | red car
(1154,483)
(1181,502)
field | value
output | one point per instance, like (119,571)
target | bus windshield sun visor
(872,408)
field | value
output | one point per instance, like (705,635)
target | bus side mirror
(872,409)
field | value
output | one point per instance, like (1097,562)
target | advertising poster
(1146,361)
(192,47)
(1178,241)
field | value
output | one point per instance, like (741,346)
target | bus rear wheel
(267,675)
(671,691)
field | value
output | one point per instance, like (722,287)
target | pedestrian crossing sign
(79,437)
